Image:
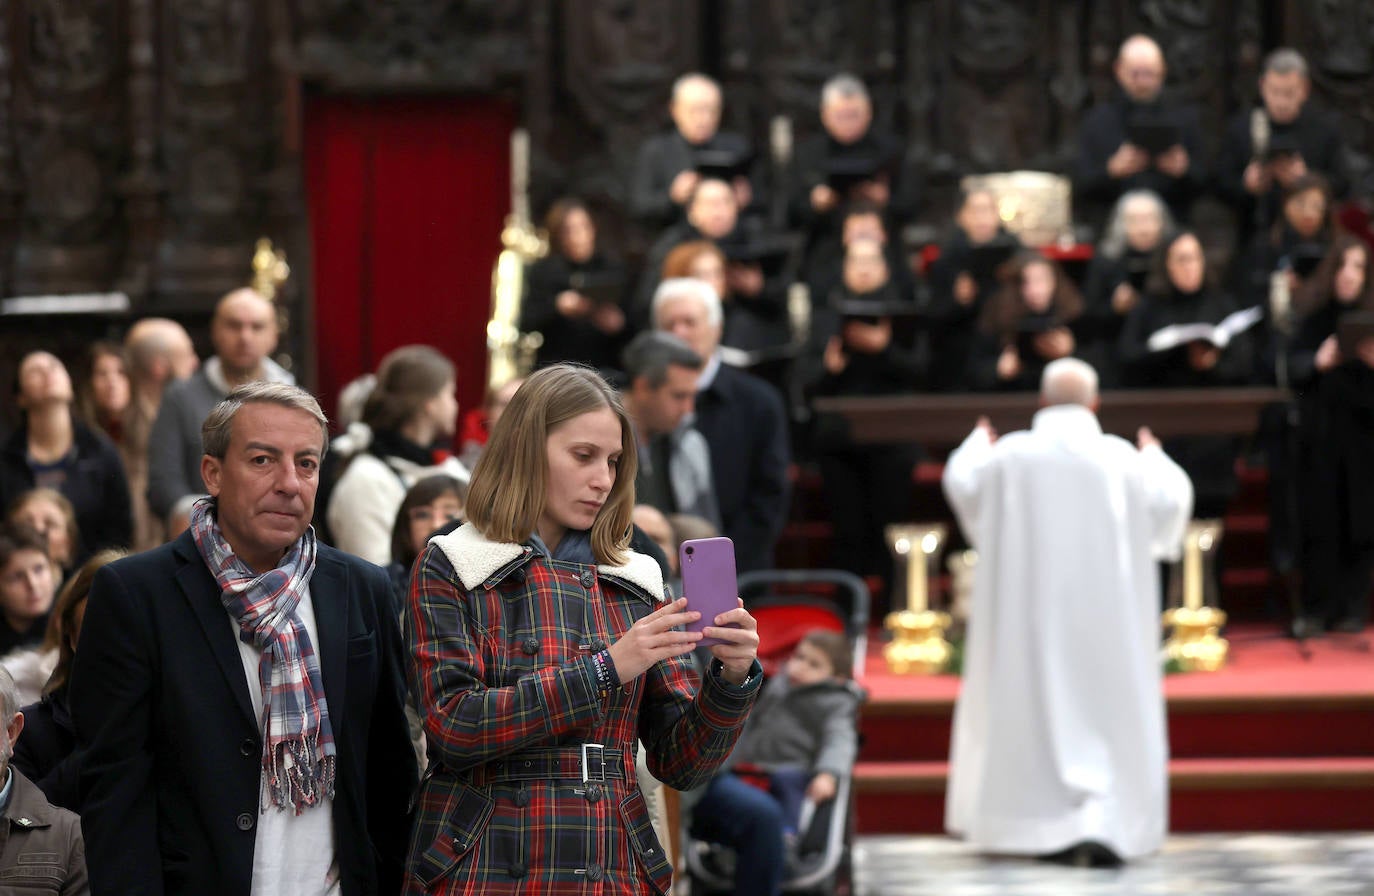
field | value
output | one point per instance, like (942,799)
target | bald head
(695,107)
(244,331)
(1140,68)
(159,351)
(1068,381)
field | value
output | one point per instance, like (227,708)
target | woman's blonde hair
(509,485)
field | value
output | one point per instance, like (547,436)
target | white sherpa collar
(475,559)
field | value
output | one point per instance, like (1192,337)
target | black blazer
(172,752)
(745,426)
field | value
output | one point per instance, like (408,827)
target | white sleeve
(362,511)
(964,478)
(1168,502)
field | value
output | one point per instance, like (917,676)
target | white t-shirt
(293,855)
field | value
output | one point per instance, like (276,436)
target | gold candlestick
(1194,643)
(918,644)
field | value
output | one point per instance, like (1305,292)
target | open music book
(1220,335)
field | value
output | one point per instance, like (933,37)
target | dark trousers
(866,488)
(750,822)
(1336,580)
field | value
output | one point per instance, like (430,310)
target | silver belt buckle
(587,757)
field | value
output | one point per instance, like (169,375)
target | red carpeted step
(1327,793)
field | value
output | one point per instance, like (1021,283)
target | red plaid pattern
(507,667)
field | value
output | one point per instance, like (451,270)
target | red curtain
(407,198)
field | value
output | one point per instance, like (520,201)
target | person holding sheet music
(850,161)
(1186,333)
(671,164)
(1139,225)
(1268,147)
(1136,139)
(1336,487)
(862,343)
(574,296)
(962,280)
(1342,283)
(1030,322)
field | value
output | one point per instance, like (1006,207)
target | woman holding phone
(541,649)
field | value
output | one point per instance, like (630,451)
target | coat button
(517,869)
(598,645)
(595,872)
(248,747)
(522,797)
(530,646)
(593,793)
(587,578)
(244,821)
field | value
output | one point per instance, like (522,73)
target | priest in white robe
(1059,743)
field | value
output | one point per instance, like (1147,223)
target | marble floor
(1195,865)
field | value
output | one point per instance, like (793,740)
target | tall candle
(916,579)
(520,173)
(1192,573)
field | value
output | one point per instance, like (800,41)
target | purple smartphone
(708,580)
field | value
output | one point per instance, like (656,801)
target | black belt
(581,763)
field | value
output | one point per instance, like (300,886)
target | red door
(407,198)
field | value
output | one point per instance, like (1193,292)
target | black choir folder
(1219,335)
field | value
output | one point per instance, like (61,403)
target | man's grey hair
(651,353)
(218,426)
(843,86)
(1068,381)
(9,694)
(1285,61)
(685,81)
(687,288)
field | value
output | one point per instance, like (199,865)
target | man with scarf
(238,693)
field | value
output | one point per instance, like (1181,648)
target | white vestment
(1059,730)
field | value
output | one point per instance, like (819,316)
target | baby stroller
(787,604)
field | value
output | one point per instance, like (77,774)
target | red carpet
(1275,741)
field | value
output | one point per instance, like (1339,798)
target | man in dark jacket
(1294,139)
(1137,140)
(743,421)
(40,844)
(671,164)
(238,694)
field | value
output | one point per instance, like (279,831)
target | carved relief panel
(67,121)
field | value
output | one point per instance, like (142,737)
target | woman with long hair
(541,650)
(575,295)
(409,420)
(1031,321)
(46,752)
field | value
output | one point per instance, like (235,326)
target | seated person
(1136,139)
(574,296)
(862,343)
(1296,139)
(1027,324)
(712,215)
(803,732)
(861,219)
(1342,283)
(962,279)
(1139,225)
(671,164)
(850,161)
(1183,295)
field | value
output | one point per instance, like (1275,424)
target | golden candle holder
(1194,643)
(918,645)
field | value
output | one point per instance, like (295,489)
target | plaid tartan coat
(501,643)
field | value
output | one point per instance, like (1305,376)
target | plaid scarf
(298,744)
